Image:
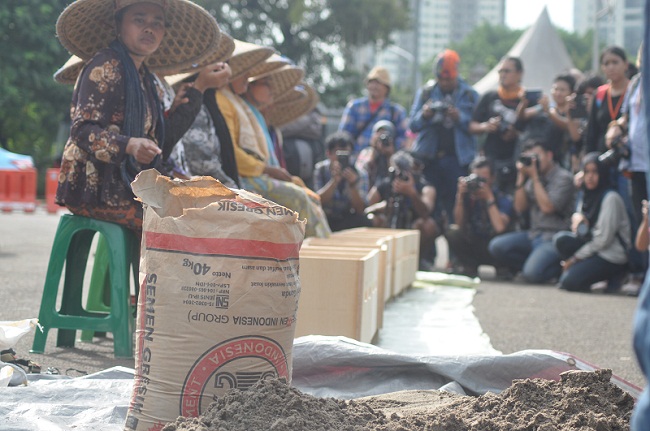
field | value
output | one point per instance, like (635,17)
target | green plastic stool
(71,247)
(99,293)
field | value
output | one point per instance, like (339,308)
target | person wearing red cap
(440,115)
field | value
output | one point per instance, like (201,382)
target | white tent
(542,53)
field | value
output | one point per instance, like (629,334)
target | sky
(522,14)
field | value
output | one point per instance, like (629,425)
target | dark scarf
(593,199)
(135,111)
(228,162)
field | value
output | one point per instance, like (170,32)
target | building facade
(620,22)
(435,24)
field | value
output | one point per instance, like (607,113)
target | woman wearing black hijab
(597,247)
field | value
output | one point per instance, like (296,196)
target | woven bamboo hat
(282,80)
(275,61)
(69,72)
(296,94)
(287,110)
(246,56)
(222,53)
(87,26)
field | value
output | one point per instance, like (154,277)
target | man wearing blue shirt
(440,117)
(360,115)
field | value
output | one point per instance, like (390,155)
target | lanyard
(613,112)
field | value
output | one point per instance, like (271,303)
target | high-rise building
(620,22)
(435,23)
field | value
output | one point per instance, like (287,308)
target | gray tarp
(323,366)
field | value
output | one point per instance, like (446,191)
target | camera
(386,139)
(394,173)
(619,151)
(508,116)
(582,231)
(343,158)
(439,108)
(533,97)
(474,182)
(580,108)
(529,159)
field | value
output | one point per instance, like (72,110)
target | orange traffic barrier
(51,183)
(18,190)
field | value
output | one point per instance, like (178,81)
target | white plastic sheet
(11,332)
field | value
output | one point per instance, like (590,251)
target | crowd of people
(542,187)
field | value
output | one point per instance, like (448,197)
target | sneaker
(632,287)
(599,286)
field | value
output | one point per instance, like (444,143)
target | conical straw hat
(246,56)
(87,26)
(222,53)
(296,94)
(282,80)
(69,72)
(275,61)
(285,111)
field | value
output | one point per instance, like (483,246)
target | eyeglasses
(506,70)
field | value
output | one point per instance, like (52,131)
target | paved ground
(595,328)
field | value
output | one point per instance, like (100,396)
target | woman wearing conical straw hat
(206,148)
(259,168)
(117,119)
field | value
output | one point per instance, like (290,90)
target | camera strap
(372,117)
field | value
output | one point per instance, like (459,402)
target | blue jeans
(443,174)
(536,258)
(581,275)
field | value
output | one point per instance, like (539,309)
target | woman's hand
(181,97)
(566,264)
(277,173)
(576,219)
(143,150)
(215,75)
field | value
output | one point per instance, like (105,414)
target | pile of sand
(580,401)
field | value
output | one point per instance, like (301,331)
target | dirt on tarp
(581,401)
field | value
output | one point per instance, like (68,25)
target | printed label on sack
(224,366)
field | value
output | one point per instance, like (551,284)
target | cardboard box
(387,256)
(339,294)
(406,250)
(384,269)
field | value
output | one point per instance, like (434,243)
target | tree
(579,49)
(482,49)
(32,105)
(317,35)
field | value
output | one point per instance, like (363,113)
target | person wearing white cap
(361,114)
(117,119)
(374,160)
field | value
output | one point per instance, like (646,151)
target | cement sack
(218,297)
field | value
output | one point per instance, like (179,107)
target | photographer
(628,136)
(596,249)
(407,203)
(481,212)
(502,115)
(440,115)
(341,188)
(374,160)
(544,190)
